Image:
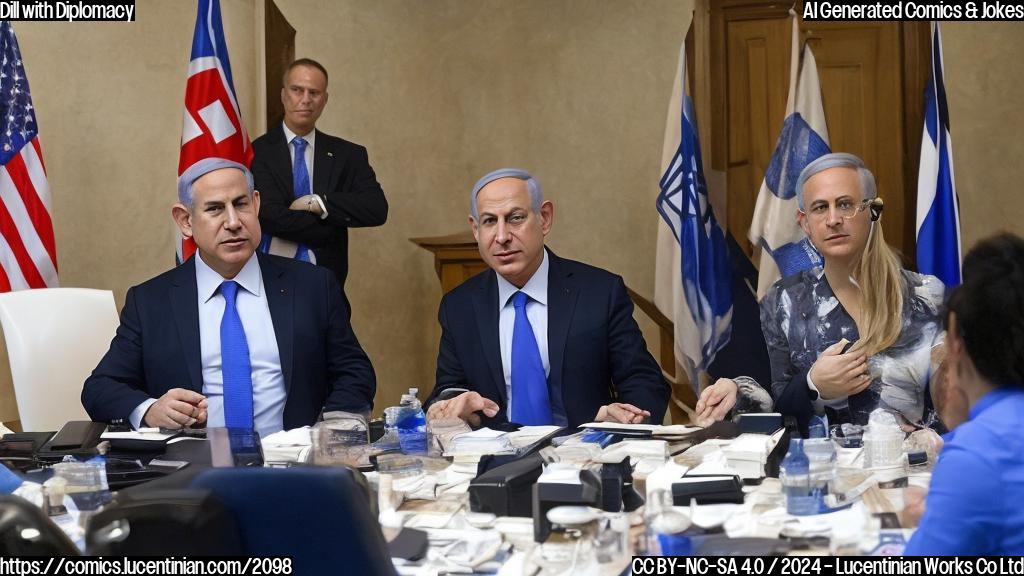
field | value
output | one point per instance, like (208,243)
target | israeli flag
(785,249)
(692,273)
(938,211)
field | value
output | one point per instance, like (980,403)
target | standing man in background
(314,186)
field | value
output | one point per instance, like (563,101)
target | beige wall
(985,89)
(442,92)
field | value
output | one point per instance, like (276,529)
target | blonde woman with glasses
(858,333)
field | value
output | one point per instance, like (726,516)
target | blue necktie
(531,405)
(235,365)
(300,179)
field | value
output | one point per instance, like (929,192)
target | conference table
(462,540)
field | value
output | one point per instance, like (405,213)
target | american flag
(213,122)
(28,253)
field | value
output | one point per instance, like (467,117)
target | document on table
(429,514)
(482,441)
(653,429)
(149,434)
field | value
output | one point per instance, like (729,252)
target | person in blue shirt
(972,504)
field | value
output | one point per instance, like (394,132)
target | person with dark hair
(314,186)
(970,509)
(856,334)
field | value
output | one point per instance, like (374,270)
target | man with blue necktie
(538,339)
(231,337)
(314,186)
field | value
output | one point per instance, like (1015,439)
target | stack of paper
(482,441)
(287,446)
(748,453)
(527,436)
(487,441)
(655,430)
(636,450)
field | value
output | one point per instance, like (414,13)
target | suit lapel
(281,162)
(485,304)
(324,175)
(280,299)
(185,307)
(562,295)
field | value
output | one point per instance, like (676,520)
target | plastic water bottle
(822,461)
(883,440)
(389,442)
(412,424)
(801,497)
(666,527)
(816,428)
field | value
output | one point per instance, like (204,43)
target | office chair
(26,531)
(318,516)
(162,522)
(55,337)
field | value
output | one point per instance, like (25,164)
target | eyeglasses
(844,207)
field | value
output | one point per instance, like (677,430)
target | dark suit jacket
(596,352)
(343,178)
(157,345)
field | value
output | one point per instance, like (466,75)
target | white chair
(55,337)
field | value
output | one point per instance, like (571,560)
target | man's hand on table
(621,413)
(463,406)
(177,408)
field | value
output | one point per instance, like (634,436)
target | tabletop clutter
(540,499)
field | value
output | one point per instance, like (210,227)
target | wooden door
(279,53)
(872,79)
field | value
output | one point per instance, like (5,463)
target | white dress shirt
(268,387)
(308,156)
(536,311)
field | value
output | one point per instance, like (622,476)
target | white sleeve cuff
(817,403)
(323,207)
(136,416)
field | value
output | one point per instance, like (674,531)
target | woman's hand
(838,375)
(716,401)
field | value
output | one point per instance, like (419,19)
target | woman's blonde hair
(879,273)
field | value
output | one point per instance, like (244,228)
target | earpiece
(875,206)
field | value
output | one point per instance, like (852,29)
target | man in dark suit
(230,337)
(539,339)
(314,186)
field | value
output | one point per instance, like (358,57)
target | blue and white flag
(692,284)
(938,211)
(785,248)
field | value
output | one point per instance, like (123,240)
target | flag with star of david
(693,273)
(212,126)
(28,253)
(785,249)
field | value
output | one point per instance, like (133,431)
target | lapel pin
(331,154)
